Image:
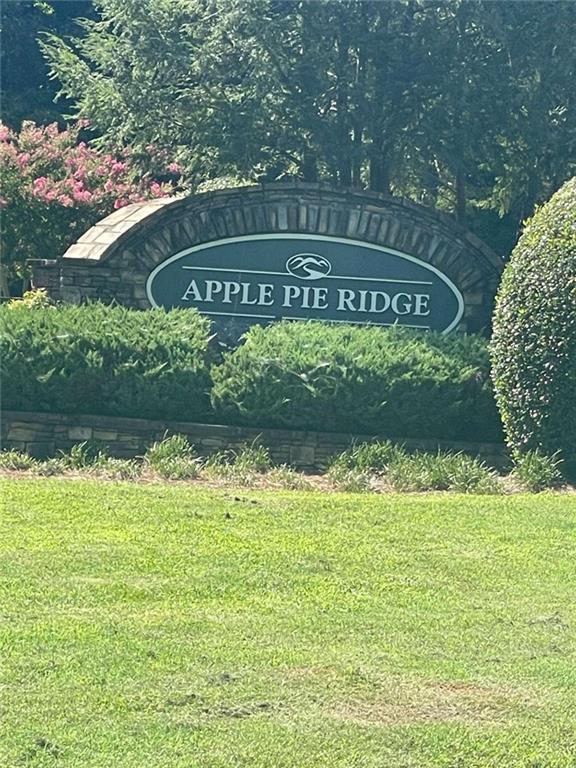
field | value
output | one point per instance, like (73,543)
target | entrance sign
(266,277)
(286,249)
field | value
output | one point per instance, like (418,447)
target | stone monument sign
(286,250)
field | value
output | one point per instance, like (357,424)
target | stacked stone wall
(43,434)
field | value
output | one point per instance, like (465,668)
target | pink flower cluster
(53,167)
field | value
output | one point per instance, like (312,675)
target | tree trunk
(4,288)
(460,197)
(309,167)
(356,158)
(344,148)
(380,177)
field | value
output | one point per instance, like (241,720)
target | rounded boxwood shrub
(534,341)
(392,382)
(105,360)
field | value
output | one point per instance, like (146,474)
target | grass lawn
(165,626)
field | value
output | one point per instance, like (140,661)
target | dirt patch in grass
(436,702)
(397,701)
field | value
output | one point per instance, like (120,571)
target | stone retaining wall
(42,434)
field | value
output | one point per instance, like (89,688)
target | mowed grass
(164,626)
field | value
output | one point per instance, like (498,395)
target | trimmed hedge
(534,342)
(117,361)
(392,382)
(106,360)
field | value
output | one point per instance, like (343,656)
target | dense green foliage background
(534,342)
(26,91)
(466,106)
(112,360)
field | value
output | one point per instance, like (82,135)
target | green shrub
(353,469)
(80,456)
(113,468)
(536,471)
(442,472)
(241,466)
(287,477)
(173,459)
(349,480)
(420,471)
(51,467)
(37,299)
(106,360)
(534,342)
(17,461)
(393,382)
(374,458)
(252,458)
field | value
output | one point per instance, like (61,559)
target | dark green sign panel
(307,277)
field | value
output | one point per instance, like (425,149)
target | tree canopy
(466,105)
(27,93)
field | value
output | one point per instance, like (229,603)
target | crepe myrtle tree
(54,186)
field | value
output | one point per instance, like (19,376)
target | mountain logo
(308,266)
